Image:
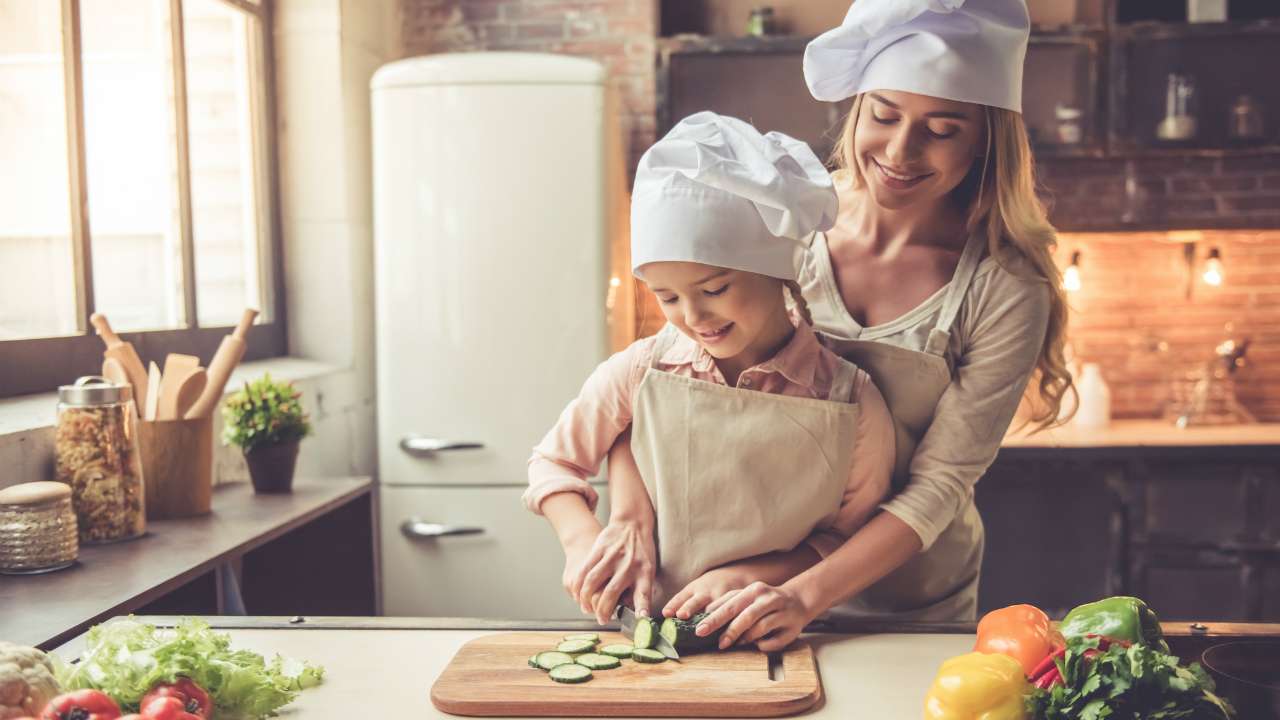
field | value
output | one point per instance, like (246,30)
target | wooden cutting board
(490,676)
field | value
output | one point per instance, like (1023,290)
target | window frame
(36,365)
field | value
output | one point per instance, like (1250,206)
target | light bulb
(1071,276)
(1213,268)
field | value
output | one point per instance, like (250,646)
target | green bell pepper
(1119,618)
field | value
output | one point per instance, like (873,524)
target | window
(136,180)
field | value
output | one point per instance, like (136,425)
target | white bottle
(1095,399)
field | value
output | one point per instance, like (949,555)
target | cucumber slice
(576,647)
(620,650)
(570,673)
(553,659)
(533,661)
(596,661)
(645,655)
(644,634)
(593,637)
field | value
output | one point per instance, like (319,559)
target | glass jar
(96,453)
(761,23)
(37,528)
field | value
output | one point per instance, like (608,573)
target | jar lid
(91,390)
(34,493)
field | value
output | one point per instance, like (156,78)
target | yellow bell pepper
(978,686)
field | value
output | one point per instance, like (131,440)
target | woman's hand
(709,586)
(771,617)
(622,556)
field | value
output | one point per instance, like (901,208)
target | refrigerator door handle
(420,446)
(417,529)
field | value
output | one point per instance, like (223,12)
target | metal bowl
(1248,674)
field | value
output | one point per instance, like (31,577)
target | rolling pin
(224,361)
(124,353)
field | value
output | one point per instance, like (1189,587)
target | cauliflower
(26,681)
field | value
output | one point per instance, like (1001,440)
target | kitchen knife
(627,619)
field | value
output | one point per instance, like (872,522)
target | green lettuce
(125,658)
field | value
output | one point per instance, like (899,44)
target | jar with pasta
(96,453)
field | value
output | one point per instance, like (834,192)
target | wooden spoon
(188,392)
(177,368)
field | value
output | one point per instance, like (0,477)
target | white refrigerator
(492,212)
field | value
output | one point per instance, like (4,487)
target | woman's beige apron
(734,473)
(940,584)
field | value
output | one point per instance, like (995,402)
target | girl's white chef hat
(715,191)
(966,50)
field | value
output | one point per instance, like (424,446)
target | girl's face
(728,312)
(915,148)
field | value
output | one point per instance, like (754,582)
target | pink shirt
(573,449)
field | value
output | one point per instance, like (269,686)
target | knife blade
(627,620)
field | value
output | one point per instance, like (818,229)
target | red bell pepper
(167,708)
(81,705)
(194,699)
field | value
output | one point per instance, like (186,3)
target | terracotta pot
(271,467)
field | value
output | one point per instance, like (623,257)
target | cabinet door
(1189,584)
(1054,534)
(510,569)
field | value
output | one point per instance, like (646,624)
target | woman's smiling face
(915,148)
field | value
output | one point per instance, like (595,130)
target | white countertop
(389,673)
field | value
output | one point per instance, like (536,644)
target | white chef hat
(966,50)
(715,191)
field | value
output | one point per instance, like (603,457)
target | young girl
(937,279)
(750,436)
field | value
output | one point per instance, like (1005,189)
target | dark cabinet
(1194,531)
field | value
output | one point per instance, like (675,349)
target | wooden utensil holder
(177,464)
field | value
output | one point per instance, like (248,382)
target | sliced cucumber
(620,650)
(576,647)
(644,636)
(593,637)
(553,659)
(533,661)
(595,661)
(645,655)
(570,673)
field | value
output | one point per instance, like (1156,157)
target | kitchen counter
(1148,433)
(107,580)
(378,667)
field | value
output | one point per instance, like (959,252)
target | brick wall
(618,33)
(1132,314)
(1167,192)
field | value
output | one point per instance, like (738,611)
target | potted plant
(266,420)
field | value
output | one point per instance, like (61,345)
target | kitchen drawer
(1192,503)
(509,570)
(1185,584)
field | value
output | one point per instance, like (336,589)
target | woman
(938,280)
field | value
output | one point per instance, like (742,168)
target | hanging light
(1213,268)
(1071,275)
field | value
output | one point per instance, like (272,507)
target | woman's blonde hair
(999,192)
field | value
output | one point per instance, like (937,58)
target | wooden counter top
(107,580)
(1148,434)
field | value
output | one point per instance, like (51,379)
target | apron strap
(940,335)
(662,343)
(843,383)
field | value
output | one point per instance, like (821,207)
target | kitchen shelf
(109,580)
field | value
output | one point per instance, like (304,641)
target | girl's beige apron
(734,473)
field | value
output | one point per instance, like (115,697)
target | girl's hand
(703,591)
(771,617)
(575,556)
(623,556)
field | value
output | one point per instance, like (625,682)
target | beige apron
(940,584)
(734,473)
